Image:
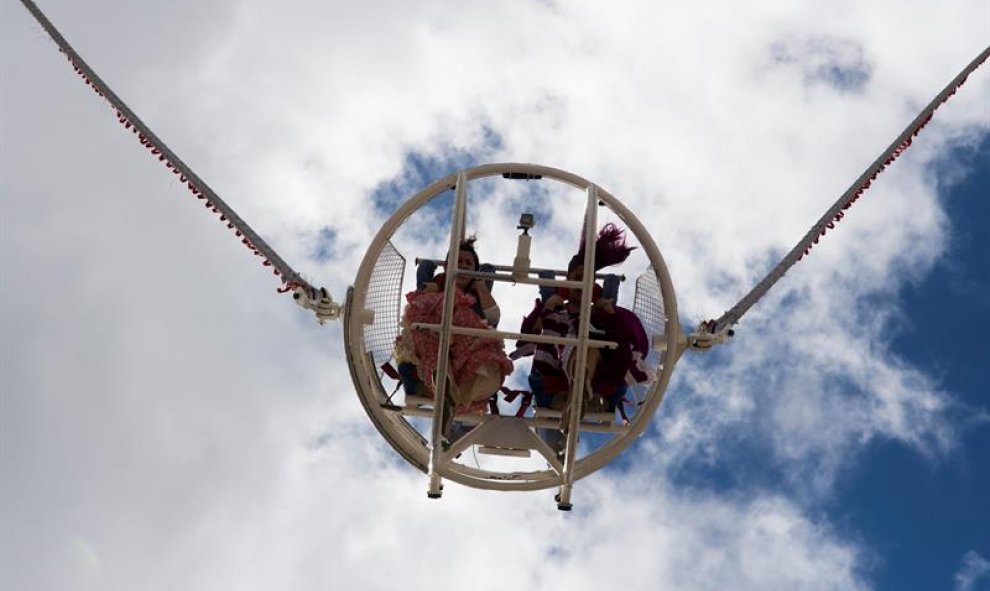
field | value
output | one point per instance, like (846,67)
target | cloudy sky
(169,421)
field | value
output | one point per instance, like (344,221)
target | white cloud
(974,569)
(169,421)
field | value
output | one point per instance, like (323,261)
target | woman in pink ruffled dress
(477,366)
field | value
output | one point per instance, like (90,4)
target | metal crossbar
(487,333)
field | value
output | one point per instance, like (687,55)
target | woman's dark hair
(610,248)
(467,245)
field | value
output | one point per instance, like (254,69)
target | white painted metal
(546,418)
(456,235)
(488,334)
(579,382)
(420,452)
(520,266)
(533,270)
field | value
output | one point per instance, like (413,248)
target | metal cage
(371,317)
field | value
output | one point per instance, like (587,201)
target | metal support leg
(436,487)
(581,363)
(441,380)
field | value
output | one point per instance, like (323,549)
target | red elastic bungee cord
(156,151)
(894,155)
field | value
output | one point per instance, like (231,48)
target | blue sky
(919,513)
(170,422)
(924,513)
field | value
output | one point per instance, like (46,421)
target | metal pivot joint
(707,335)
(319,301)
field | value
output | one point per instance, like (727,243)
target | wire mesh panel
(648,303)
(384,297)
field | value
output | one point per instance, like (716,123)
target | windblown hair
(610,248)
(467,245)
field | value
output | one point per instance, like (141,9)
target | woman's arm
(491,310)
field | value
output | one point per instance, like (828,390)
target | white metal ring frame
(426,456)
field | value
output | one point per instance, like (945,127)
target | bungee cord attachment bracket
(318,300)
(708,334)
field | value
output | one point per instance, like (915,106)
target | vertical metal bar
(456,232)
(463,220)
(578,381)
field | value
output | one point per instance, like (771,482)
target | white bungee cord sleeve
(719,329)
(304,293)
